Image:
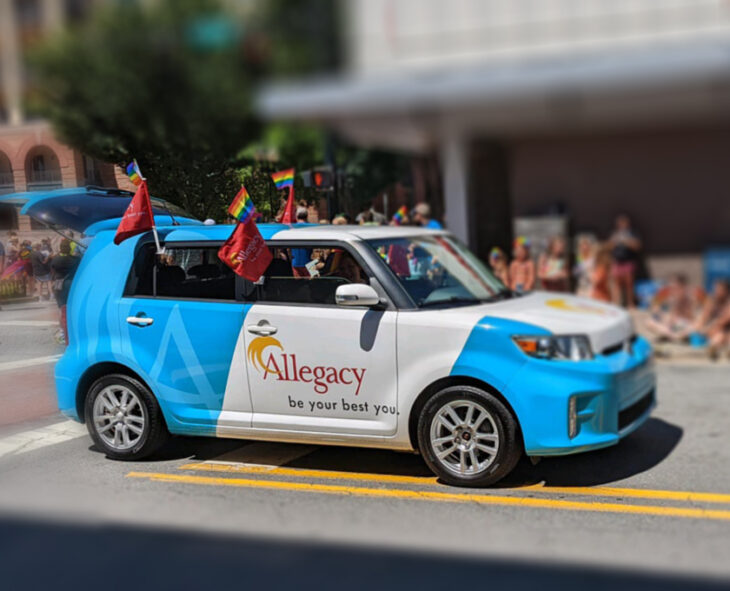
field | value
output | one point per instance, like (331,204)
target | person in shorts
(625,248)
(63,267)
(40,261)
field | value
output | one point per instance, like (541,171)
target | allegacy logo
(285,367)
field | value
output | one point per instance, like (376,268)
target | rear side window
(182,272)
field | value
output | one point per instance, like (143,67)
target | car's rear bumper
(614,395)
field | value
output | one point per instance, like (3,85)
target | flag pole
(160,250)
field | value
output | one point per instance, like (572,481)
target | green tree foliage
(167,83)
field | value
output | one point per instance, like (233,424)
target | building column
(10,66)
(454,157)
(53,15)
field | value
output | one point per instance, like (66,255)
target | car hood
(604,324)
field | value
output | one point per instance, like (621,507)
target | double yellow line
(442,496)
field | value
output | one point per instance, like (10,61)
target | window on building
(92,176)
(7,182)
(8,217)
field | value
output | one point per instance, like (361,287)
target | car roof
(297,232)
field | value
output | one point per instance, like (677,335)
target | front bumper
(614,395)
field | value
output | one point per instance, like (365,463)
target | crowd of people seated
(605,271)
(684,314)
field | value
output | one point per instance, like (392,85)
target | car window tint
(195,273)
(141,275)
(314,278)
(185,272)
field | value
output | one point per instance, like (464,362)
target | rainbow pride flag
(283,178)
(400,215)
(242,207)
(134,173)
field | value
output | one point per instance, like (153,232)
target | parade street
(652,512)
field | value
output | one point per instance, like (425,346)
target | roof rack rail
(109,190)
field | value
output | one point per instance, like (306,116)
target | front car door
(314,366)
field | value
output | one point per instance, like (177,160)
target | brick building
(31,158)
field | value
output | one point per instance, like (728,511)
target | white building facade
(590,107)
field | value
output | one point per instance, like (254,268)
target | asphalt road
(650,513)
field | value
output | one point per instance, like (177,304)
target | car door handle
(140,320)
(262,329)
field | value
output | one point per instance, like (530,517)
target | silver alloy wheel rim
(119,417)
(464,437)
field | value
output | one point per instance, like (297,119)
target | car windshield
(438,271)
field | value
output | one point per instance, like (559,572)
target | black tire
(154,430)
(508,451)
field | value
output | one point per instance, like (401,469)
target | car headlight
(560,347)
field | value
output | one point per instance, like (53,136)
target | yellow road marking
(435,496)
(306,473)
(603,491)
(635,493)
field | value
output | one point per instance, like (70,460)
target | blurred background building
(31,158)
(530,107)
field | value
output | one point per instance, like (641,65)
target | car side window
(182,272)
(308,275)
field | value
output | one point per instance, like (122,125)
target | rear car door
(181,322)
(314,366)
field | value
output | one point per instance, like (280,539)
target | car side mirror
(356,294)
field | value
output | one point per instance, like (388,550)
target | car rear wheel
(468,437)
(123,418)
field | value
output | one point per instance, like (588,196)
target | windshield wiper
(451,300)
(505,294)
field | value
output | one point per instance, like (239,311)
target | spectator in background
(499,264)
(421,216)
(13,252)
(47,248)
(72,240)
(552,268)
(365,218)
(418,261)
(301,256)
(2,257)
(63,267)
(339,220)
(26,249)
(584,265)
(41,264)
(672,315)
(522,269)
(718,334)
(600,275)
(625,247)
(712,310)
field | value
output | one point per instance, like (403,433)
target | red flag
(290,210)
(138,217)
(246,252)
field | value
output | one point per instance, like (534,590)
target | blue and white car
(400,339)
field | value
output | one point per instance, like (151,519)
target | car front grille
(633,412)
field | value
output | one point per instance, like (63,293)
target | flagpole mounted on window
(139,216)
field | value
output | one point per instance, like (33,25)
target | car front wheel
(123,418)
(468,437)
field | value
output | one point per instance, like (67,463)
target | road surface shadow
(637,453)
(642,450)
(38,554)
(192,448)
